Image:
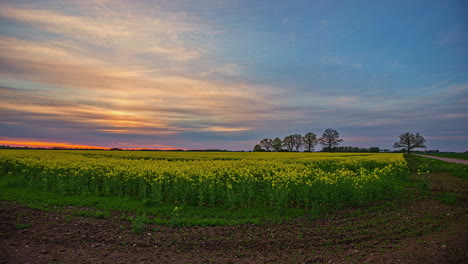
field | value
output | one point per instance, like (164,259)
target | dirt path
(445,159)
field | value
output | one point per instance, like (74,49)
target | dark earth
(429,229)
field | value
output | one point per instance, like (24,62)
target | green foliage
(424,164)
(463,156)
(448,198)
(175,219)
(277,144)
(258,148)
(22,226)
(139,224)
(356,149)
(278,180)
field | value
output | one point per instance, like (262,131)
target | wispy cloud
(457,37)
(115,99)
(127,93)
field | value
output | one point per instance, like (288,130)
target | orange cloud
(92,93)
(69,78)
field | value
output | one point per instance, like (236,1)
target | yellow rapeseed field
(210,178)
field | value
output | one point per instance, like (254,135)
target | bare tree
(410,141)
(297,141)
(266,143)
(277,144)
(330,139)
(309,140)
(288,143)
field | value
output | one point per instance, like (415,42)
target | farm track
(445,159)
(423,230)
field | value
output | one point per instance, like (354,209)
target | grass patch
(139,224)
(102,207)
(22,226)
(448,198)
(421,165)
(463,156)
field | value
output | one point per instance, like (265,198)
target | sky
(224,74)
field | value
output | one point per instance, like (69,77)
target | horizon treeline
(329,140)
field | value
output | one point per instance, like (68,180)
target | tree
(266,143)
(288,143)
(374,149)
(410,141)
(258,148)
(277,144)
(309,140)
(297,141)
(330,139)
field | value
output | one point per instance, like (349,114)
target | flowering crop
(210,178)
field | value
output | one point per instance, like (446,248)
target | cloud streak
(15,142)
(122,98)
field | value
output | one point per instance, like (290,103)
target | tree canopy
(309,140)
(410,141)
(288,143)
(330,139)
(266,143)
(277,144)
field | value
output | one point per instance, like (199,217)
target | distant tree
(374,149)
(355,149)
(258,148)
(277,144)
(309,140)
(410,141)
(330,139)
(288,143)
(297,141)
(266,143)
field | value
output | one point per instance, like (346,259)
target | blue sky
(226,74)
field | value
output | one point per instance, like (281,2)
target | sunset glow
(42,144)
(226,74)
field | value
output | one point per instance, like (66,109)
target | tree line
(330,140)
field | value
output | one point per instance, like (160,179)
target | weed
(175,219)
(448,198)
(138,225)
(22,226)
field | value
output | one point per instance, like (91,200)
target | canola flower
(210,179)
